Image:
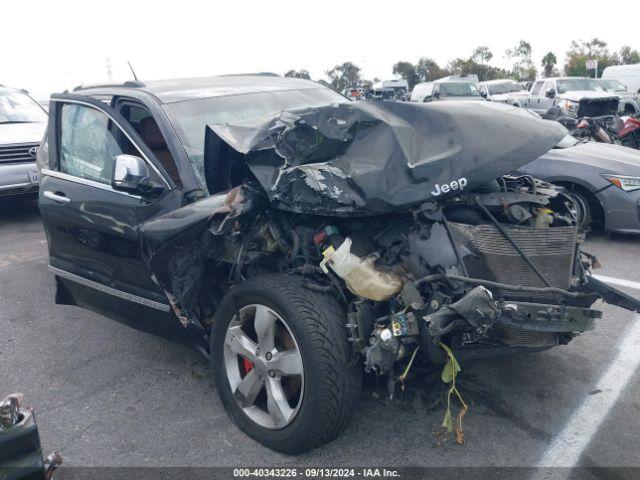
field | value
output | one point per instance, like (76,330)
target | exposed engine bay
(486,263)
(496,270)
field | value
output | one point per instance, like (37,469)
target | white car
(22,125)
(504,91)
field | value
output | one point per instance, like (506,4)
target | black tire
(583,207)
(332,382)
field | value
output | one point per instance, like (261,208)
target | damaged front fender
(175,246)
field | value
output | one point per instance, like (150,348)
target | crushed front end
(423,238)
(493,271)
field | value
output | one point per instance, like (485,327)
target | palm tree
(548,62)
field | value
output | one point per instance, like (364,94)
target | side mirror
(483,93)
(551,93)
(130,174)
(436,94)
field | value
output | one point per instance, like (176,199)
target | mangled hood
(368,158)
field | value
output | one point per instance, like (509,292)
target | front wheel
(282,363)
(581,208)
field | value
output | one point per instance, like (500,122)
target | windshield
(506,87)
(578,84)
(190,117)
(16,107)
(462,89)
(614,85)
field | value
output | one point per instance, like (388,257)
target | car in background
(628,75)
(505,91)
(602,179)
(628,100)
(354,93)
(22,125)
(574,97)
(390,89)
(445,91)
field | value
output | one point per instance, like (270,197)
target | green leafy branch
(449,372)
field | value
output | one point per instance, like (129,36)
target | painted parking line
(568,446)
(618,281)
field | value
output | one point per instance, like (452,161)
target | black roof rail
(127,84)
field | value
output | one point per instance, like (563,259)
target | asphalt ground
(107,395)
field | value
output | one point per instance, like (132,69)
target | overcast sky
(50,46)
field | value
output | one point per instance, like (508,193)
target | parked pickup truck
(504,91)
(575,97)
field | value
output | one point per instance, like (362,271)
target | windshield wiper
(16,121)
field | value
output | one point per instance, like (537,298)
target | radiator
(488,255)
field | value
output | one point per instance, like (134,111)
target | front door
(92,228)
(545,102)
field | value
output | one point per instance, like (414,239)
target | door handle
(58,197)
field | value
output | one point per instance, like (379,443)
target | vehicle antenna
(135,77)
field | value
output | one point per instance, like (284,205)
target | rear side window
(536,88)
(88,143)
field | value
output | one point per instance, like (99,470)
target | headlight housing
(624,182)
(569,107)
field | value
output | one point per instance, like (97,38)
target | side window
(536,88)
(547,86)
(88,145)
(147,127)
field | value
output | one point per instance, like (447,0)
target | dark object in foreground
(20,452)
(297,238)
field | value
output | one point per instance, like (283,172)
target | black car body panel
(368,158)
(92,233)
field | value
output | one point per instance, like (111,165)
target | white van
(421,91)
(628,75)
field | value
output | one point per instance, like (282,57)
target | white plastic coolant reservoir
(360,274)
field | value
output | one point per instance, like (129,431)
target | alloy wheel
(264,367)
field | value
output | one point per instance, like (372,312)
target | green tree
(468,66)
(407,71)
(344,75)
(428,70)
(298,74)
(629,56)
(548,62)
(523,67)
(581,51)
(482,55)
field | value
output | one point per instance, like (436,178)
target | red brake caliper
(246,365)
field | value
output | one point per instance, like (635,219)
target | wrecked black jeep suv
(297,238)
